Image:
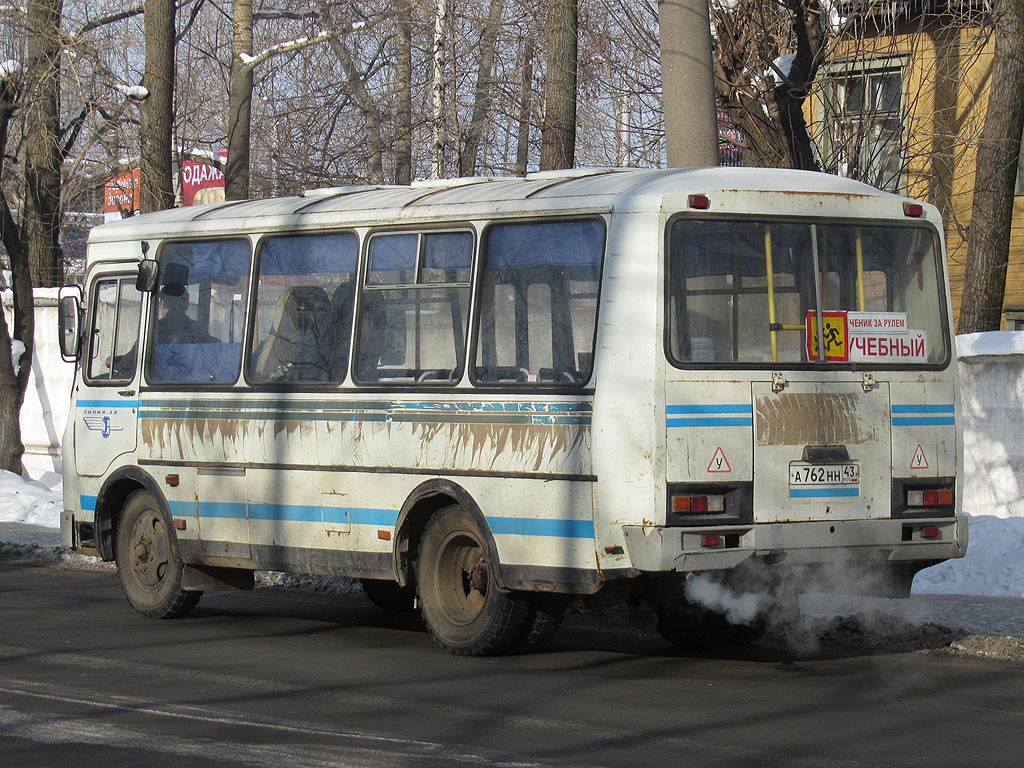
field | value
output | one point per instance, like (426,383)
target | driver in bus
(173,325)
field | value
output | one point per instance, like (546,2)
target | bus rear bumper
(661,549)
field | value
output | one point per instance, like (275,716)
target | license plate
(824,474)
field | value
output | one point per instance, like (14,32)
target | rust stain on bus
(489,445)
(813,418)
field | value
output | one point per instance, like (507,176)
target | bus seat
(296,347)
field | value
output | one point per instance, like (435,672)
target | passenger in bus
(173,325)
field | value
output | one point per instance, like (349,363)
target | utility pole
(688,84)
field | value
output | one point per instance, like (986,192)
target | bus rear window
(747,292)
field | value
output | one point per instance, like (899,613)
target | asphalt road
(277,678)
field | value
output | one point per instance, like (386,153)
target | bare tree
(999,147)
(43,141)
(157,111)
(558,136)
(403,91)
(243,65)
(17,340)
(525,110)
(484,87)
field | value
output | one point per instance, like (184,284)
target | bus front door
(106,397)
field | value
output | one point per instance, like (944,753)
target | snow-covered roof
(989,345)
(578,190)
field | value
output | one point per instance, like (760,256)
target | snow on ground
(994,566)
(37,502)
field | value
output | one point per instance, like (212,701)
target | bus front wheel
(462,607)
(147,560)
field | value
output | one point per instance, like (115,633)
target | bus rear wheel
(147,560)
(463,608)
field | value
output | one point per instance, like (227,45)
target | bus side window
(199,312)
(114,333)
(413,313)
(304,294)
(538,315)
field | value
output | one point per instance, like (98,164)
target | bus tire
(463,608)
(147,560)
(692,626)
(389,595)
(546,616)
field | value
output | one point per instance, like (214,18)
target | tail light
(930,497)
(698,505)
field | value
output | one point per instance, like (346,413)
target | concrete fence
(992,412)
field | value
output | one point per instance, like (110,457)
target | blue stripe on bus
(223,509)
(182,508)
(710,415)
(531,526)
(359,516)
(715,408)
(924,421)
(307,513)
(924,415)
(925,408)
(106,403)
(817,493)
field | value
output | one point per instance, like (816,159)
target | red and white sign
(201,183)
(719,463)
(919,461)
(909,347)
(876,323)
(121,195)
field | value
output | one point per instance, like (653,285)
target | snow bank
(30,501)
(994,565)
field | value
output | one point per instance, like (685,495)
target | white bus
(484,396)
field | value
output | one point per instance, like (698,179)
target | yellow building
(902,108)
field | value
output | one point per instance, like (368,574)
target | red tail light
(913,210)
(697,505)
(700,202)
(930,497)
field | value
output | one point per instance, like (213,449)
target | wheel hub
(477,576)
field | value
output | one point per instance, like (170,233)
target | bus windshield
(752,293)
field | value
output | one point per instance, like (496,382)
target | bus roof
(579,190)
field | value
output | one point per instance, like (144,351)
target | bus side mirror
(69,315)
(146,281)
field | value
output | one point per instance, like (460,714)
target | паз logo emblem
(101,424)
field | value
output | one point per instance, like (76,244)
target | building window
(863,113)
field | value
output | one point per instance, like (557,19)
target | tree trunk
(368,109)
(484,86)
(988,239)
(12,385)
(236,168)
(42,142)
(558,134)
(438,132)
(403,74)
(156,185)
(525,106)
